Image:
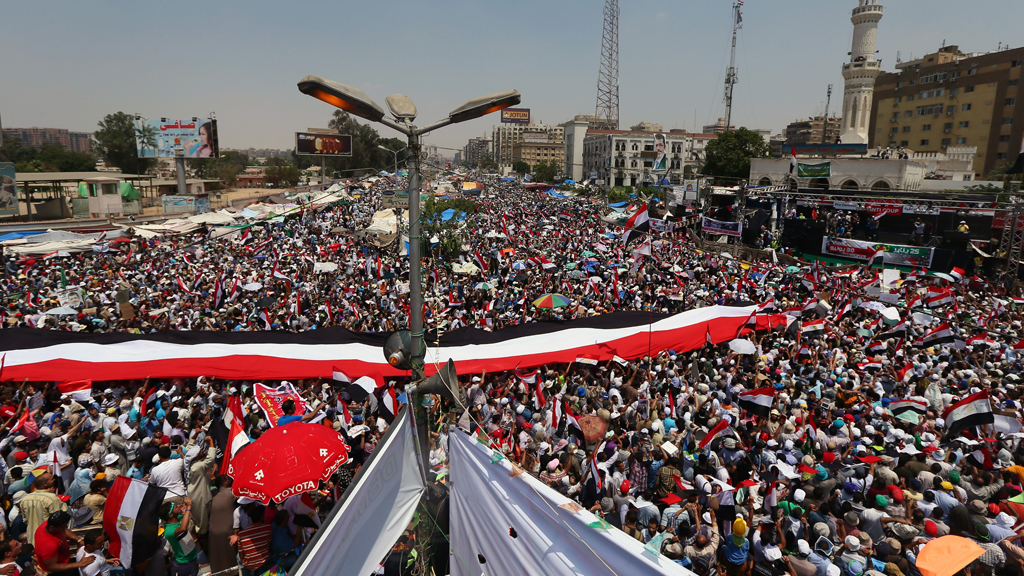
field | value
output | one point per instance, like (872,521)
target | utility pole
(731,77)
(824,127)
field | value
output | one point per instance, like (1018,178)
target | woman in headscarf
(83,477)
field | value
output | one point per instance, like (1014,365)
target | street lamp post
(395,152)
(356,102)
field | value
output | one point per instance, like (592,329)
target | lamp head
(483,105)
(350,99)
(401,107)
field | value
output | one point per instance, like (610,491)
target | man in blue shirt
(288,408)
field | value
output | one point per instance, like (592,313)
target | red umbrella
(287,460)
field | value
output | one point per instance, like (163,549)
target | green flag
(63,279)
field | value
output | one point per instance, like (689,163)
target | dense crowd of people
(886,427)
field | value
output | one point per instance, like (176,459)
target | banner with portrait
(270,401)
(164,138)
(718,227)
(8,189)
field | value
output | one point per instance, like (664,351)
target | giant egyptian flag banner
(270,400)
(51,355)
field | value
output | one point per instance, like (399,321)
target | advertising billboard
(8,189)
(163,138)
(515,116)
(310,144)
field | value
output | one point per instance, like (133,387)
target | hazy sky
(65,64)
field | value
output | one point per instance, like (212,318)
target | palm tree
(145,133)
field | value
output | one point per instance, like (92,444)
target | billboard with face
(163,138)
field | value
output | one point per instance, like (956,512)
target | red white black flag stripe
(941,334)
(919,407)
(131,519)
(974,410)
(757,401)
(637,226)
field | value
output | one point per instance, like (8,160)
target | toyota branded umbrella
(287,460)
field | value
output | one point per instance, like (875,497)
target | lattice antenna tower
(607,112)
(732,75)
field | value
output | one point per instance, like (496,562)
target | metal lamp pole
(356,102)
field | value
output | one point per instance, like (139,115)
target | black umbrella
(266,302)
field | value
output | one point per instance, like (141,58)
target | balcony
(865,64)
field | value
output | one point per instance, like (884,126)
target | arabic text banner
(894,253)
(163,138)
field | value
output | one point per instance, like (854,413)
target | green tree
(48,158)
(282,175)
(365,153)
(729,155)
(520,167)
(115,144)
(545,172)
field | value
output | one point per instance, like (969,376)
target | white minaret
(860,73)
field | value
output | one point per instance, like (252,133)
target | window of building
(968,89)
(1011,101)
(904,142)
(955,75)
(636,147)
(908,114)
(924,142)
(972,71)
(927,110)
(910,97)
(897,100)
(949,110)
(1007,121)
(1004,138)
(899,84)
(895,116)
(946,142)
(1000,155)
(961,140)
(632,164)
(954,91)
(1015,64)
(965,107)
(1013,82)
(906,129)
(911,83)
(926,128)
(964,124)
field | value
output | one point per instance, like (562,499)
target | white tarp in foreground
(373,512)
(490,500)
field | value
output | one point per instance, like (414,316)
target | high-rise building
(573,133)
(812,131)
(952,99)
(718,127)
(506,136)
(860,72)
(478,150)
(36,137)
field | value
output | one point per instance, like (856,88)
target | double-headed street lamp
(395,152)
(356,102)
